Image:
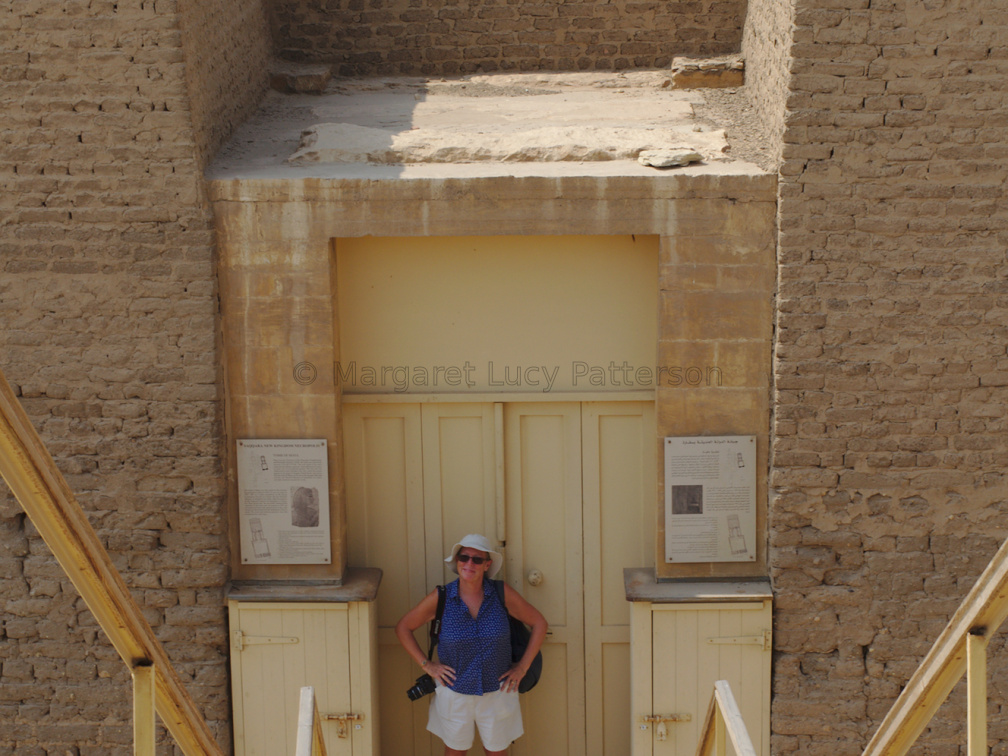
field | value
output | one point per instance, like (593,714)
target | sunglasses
(477,560)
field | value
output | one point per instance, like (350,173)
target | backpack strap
(435,625)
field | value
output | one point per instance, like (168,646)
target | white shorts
(454,717)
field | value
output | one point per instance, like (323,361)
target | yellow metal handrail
(960,649)
(45,496)
(724,724)
(310,741)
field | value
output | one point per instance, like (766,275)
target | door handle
(535,577)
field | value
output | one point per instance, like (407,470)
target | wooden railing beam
(40,488)
(984,608)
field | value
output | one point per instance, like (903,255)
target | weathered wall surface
(766,47)
(890,439)
(108,305)
(226,48)
(445,37)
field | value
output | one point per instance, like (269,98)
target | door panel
(618,451)
(458,479)
(385,528)
(542,462)
(615,719)
(384,480)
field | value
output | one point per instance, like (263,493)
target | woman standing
(477,685)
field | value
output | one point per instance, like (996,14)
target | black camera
(424,686)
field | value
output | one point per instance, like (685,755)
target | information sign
(283,501)
(710,499)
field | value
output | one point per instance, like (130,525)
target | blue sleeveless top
(479,650)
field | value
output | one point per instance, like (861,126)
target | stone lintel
(641,584)
(358,584)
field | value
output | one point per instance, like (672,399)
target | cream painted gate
(685,649)
(278,647)
(568,487)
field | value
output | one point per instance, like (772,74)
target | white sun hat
(480,543)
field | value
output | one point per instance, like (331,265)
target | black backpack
(520,636)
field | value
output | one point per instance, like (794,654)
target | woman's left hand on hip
(511,678)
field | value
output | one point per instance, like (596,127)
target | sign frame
(283,501)
(710,499)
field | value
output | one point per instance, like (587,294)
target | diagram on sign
(710,499)
(260,546)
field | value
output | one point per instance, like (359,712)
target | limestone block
(732,364)
(503,143)
(310,78)
(280,322)
(689,276)
(722,71)
(284,416)
(718,232)
(253,370)
(718,412)
(715,315)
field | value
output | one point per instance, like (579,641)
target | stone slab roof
(485,125)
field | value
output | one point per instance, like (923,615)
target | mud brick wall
(226,47)
(108,310)
(766,47)
(890,434)
(445,37)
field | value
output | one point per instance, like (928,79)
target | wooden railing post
(976,692)
(310,740)
(143,709)
(720,736)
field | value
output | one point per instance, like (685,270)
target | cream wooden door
(542,460)
(695,645)
(418,477)
(384,480)
(276,649)
(580,481)
(619,478)
(568,487)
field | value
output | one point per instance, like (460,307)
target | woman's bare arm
(417,617)
(521,609)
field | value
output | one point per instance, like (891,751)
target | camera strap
(435,625)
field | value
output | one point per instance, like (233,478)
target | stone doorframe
(717,274)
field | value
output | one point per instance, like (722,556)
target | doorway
(567,488)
